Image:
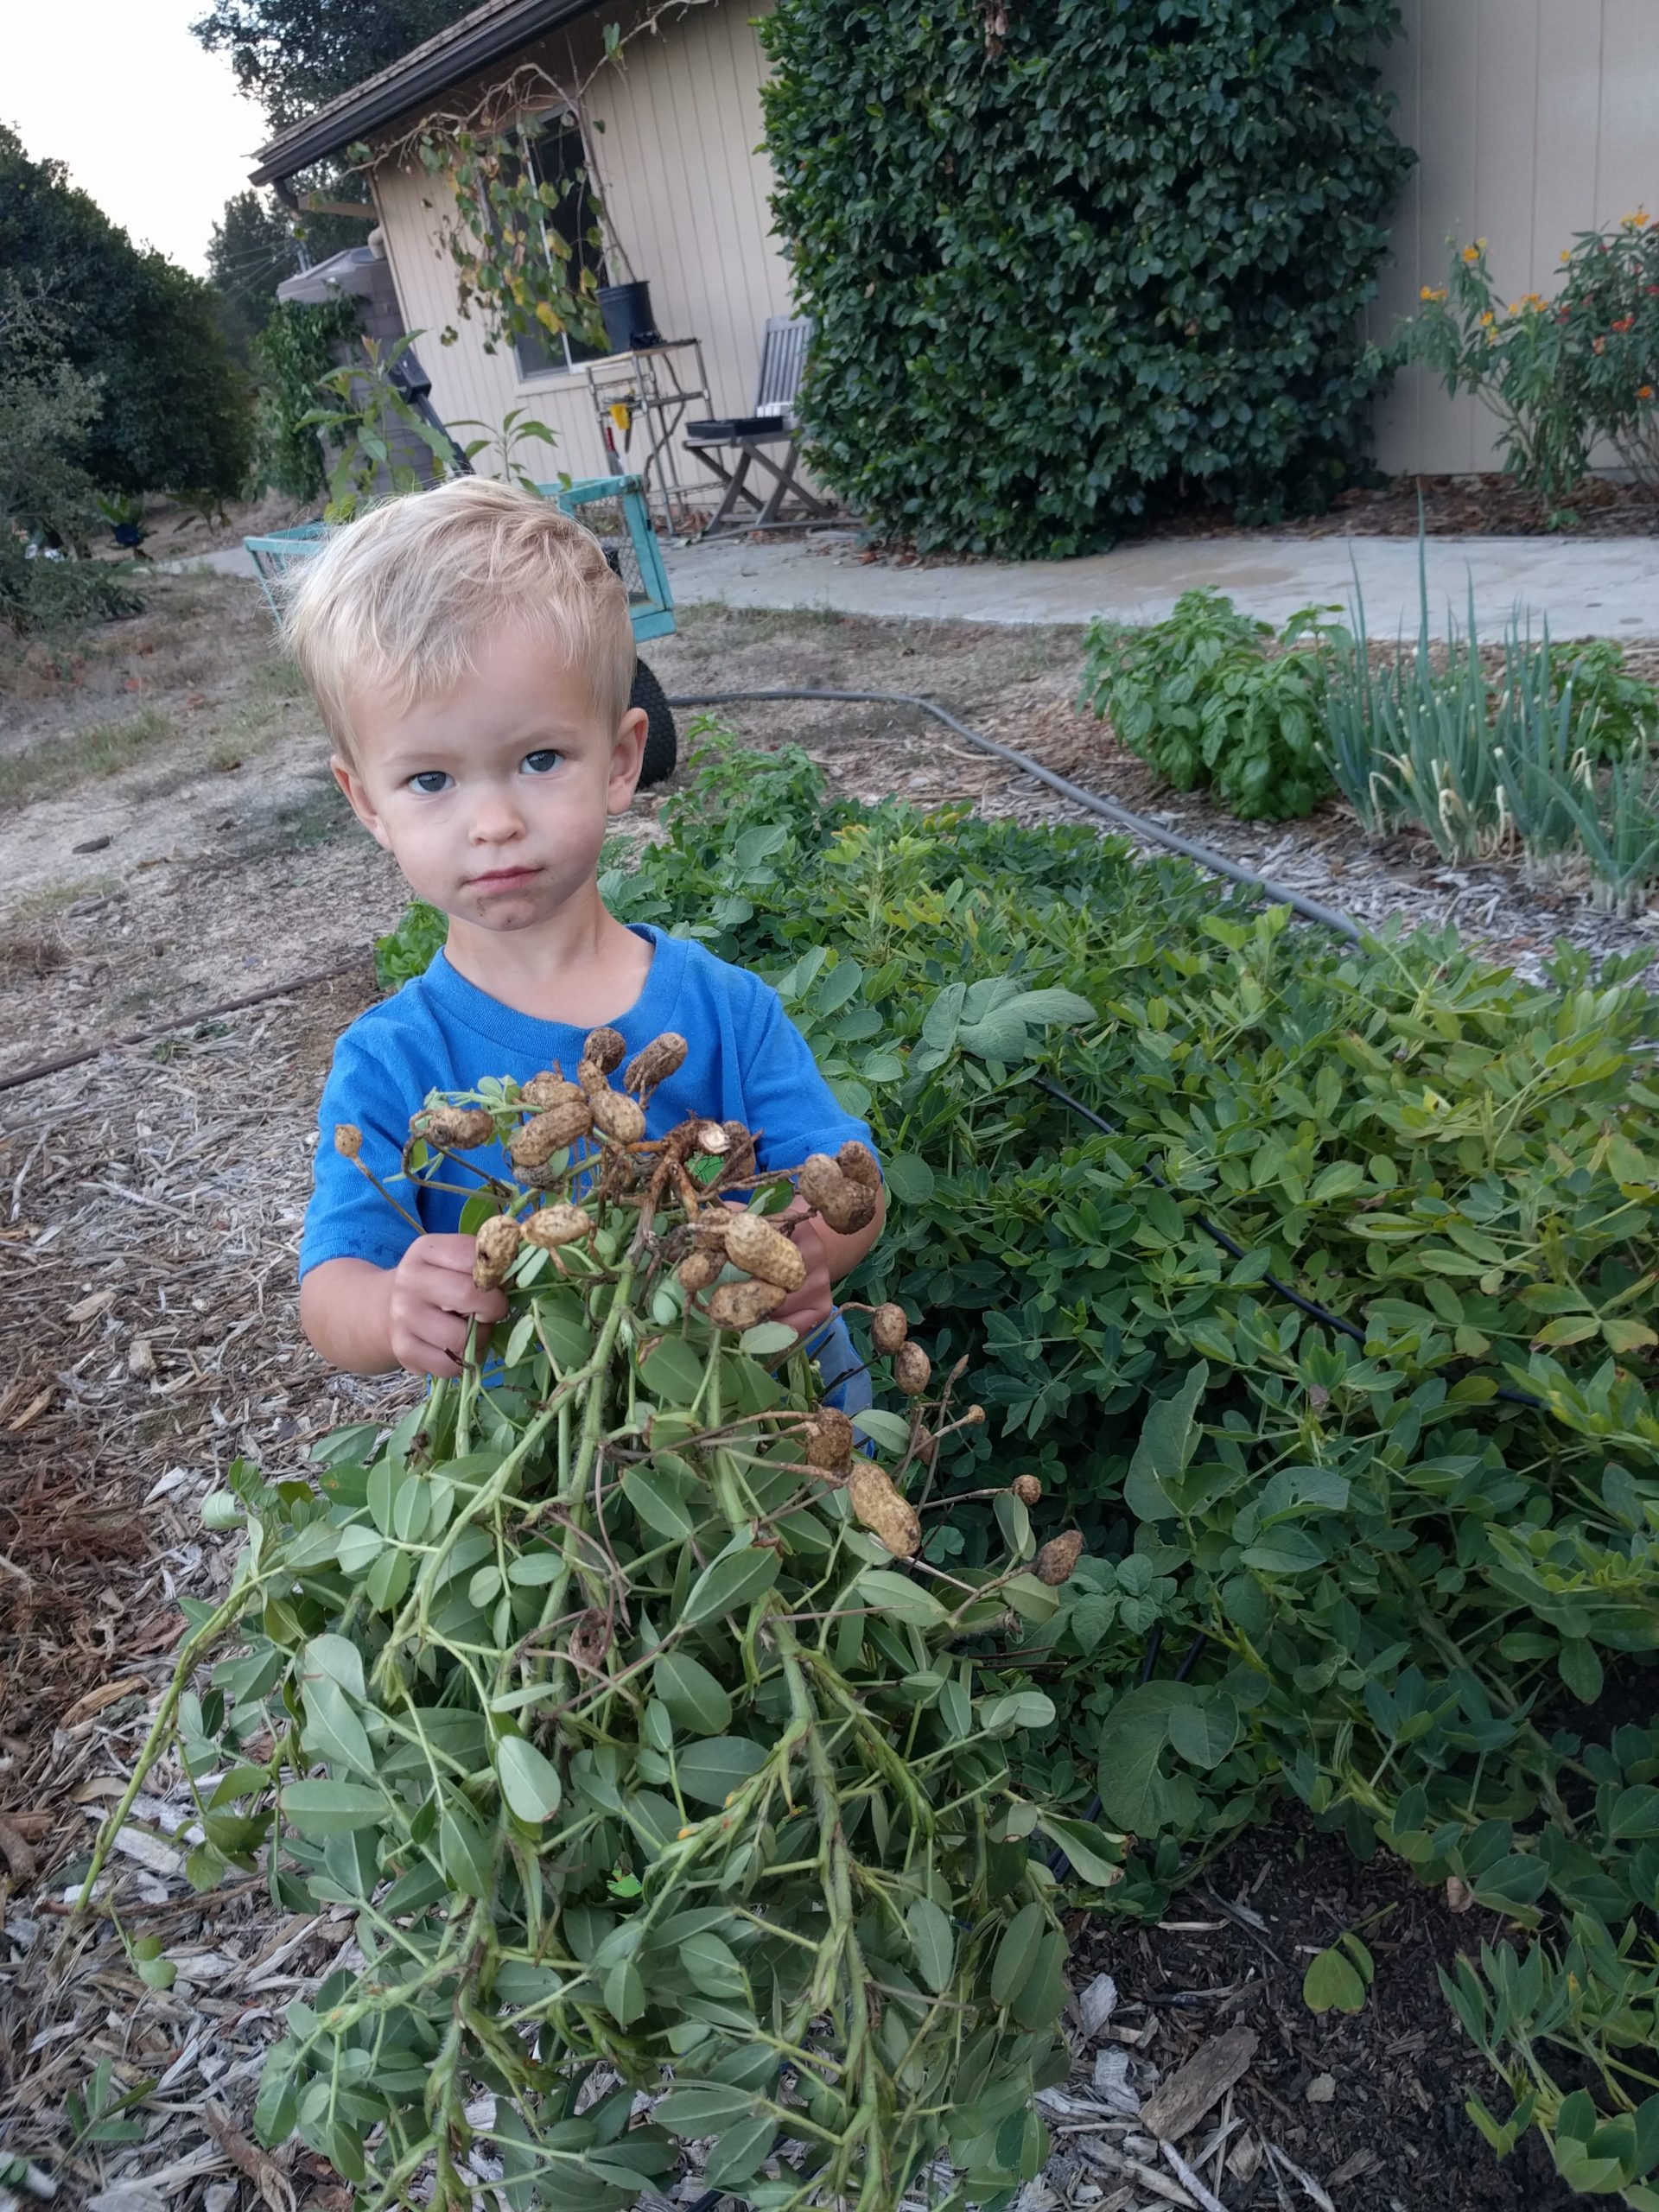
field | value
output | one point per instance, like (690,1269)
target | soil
(1371,2103)
(150,1200)
(1487,506)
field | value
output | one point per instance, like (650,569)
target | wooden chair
(732,447)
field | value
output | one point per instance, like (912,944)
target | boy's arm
(368,1319)
(829,1256)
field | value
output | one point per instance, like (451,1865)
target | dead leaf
(19,1858)
(274,2187)
(31,1412)
(103,1693)
(101,1785)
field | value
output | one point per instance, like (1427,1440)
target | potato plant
(610,1693)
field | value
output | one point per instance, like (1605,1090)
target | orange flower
(1472,253)
(1644,391)
(1489,317)
(1429,292)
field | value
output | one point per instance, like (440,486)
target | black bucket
(627,312)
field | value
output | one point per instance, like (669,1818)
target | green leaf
(332,1731)
(1203,1733)
(1334,1983)
(339,1660)
(740,2151)
(897,1595)
(672,1372)
(326,1808)
(910,1179)
(693,1695)
(932,1942)
(1096,1856)
(735,1580)
(465,1848)
(888,1431)
(658,1503)
(712,1769)
(1167,1437)
(1016,1950)
(767,1337)
(694,2109)
(530,1782)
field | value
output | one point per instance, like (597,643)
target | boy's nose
(496,821)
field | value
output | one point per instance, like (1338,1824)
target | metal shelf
(650,390)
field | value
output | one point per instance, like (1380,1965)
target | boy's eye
(542,763)
(430,782)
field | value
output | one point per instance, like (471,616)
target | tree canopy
(175,413)
(293,56)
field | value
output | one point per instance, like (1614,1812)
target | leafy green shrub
(1198,697)
(1561,373)
(600,1696)
(1072,265)
(175,410)
(291,355)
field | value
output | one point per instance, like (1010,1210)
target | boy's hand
(810,1305)
(433,1300)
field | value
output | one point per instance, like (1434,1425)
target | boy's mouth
(502,878)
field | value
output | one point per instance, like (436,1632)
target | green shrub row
(1382,1569)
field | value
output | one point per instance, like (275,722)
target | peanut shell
(605,1048)
(534,1145)
(889,1327)
(456,1128)
(349,1140)
(661,1058)
(556,1225)
(858,1164)
(624,1119)
(912,1371)
(740,1304)
(496,1242)
(828,1441)
(1026,1489)
(548,1090)
(760,1250)
(701,1270)
(878,1505)
(1054,1563)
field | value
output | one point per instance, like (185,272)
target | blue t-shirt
(747,1063)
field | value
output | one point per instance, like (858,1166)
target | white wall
(687,192)
(1532,119)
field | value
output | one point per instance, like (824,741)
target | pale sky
(150,124)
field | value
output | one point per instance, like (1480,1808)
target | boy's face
(492,799)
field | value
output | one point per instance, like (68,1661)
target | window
(557,158)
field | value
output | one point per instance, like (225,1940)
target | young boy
(470,654)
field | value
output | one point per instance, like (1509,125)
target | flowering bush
(1561,374)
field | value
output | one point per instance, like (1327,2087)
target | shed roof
(488,33)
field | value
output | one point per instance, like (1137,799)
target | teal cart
(613,508)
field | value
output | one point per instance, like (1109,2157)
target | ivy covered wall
(1075,262)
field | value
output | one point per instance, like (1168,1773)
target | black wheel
(662,746)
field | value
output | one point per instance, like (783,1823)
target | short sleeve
(784,1088)
(347,1217)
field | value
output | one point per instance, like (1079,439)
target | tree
(252,250)
(291,56)
(47,507)
(175,411)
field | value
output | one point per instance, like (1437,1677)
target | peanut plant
(611,1693)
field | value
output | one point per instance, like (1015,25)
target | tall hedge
(1075,262)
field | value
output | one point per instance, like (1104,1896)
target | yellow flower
(1566,253)
(1488,318)
(1472,253)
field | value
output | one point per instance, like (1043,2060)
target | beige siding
(687,190)
(1532,120)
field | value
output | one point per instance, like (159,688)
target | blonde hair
(401,600)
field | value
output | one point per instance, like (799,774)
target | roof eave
(398,92)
